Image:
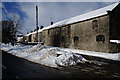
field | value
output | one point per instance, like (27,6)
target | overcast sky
(24,12)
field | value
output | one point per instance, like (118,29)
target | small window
(94,24)
(76,40)
(29,38)
(100,38)
(68,30)
(48,32)
(62,39)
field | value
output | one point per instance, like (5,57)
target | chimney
(41,27)
(51,23)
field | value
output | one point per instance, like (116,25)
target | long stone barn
(98,30)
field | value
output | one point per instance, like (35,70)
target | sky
(24,12)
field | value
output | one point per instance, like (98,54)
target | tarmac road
(14,67)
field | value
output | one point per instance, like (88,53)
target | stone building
(91,31)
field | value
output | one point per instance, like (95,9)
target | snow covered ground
(53,56)
(112,56)
(115,41)
(49,56)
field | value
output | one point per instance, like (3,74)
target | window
(68,31)
(100,38)
(62,39)
(94,24)
(29,38)
(76,40)
(59,30)
(48,31)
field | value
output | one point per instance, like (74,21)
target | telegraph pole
(37,24)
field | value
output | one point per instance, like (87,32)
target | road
(14,67)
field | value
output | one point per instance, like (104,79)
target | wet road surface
(14,67)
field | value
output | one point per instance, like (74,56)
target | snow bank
(69,59)
(54,56)
(115,41)
(112,56)
(49,56)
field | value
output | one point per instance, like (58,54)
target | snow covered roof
(92,14)
(19,38)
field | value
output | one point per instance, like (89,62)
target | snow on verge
(115,41)
(49,56)
(112,56)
